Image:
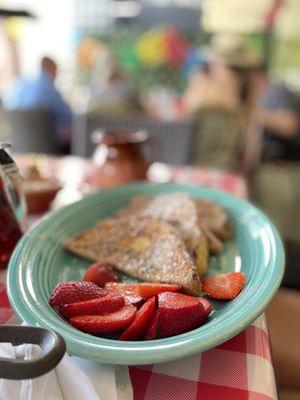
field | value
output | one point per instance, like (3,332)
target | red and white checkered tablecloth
(239,369)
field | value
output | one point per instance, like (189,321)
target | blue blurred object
(195,60)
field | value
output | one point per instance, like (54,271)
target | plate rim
(181,345)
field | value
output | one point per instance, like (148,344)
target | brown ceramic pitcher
(119,158)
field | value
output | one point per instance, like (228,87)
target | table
(239,369)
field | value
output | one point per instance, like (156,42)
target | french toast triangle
(179,210)
(144,247)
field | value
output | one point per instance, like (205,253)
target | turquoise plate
(40,262)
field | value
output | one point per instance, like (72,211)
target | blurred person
(226,80)
(275,129)
(41,93)
(111,91)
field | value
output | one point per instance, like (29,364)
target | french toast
(212,220)
(144,247)
(179,210)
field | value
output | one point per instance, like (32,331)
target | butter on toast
(146,248)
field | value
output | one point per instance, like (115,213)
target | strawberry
(144,290)
(127,289)
(109,303)
(107,323)
(100,274)
(179,313)
(74,291)
(148,290)
(208,308)
(138,326)
(152,331)
(224,286)
(134,300)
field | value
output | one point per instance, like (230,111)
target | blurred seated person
(211,85)
(274,132)
(279,116)
(111,91)
(227,79)
(41,93)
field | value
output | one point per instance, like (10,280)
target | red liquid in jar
(10,231)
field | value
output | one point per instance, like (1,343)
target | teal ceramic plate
(39,263)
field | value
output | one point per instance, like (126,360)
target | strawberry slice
(224,286)
(148,290)
(107,323)
(134,300)
(144,290)
(75,291)
(137,328)
(127,289)
(113,301)
(101,274)
(179,313)
(208,308)
(152,331)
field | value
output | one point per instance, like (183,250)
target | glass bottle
(12,206)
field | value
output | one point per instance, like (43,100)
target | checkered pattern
(226,181)
(239,369)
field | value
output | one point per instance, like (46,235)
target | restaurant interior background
(209,80)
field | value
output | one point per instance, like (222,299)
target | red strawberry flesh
(109,303)
(152,331)
(144,290)
(139,325)
(208,308)
(101,274)
(134,300)
(179,313)
(224,286)
(75,291)
(108,323)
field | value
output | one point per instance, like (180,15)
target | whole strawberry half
(75,291)
(224,286)
(101,274)
(144,290)
(109,303)
(179,313)
(138,326)
(108,323)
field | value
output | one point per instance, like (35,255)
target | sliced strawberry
(179,313)
(74,291)
(208,308)
(107,323)
(113,301)
(101,274)
(127,289)
(148,290)
(144,290)
(136,301)
(224,286)
(152,331)
(137,328)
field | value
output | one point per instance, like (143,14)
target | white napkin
(74,378)
(66,382)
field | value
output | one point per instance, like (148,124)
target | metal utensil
(52,346)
